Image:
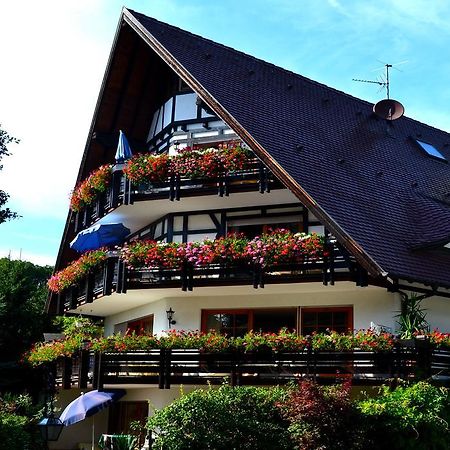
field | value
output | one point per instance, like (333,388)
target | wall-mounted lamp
(170,314)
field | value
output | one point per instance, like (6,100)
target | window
(237,322)
(251,230)
(431,150)
(144,325)
(232,323)
(338,319)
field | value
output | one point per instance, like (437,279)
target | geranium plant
(272,248)
(283,341)
(147,167)
(76,270)
(189,162)
(86,192)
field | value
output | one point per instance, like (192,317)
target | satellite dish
(389,109)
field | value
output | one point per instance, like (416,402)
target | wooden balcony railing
(114,276)
(193,367)
(122,192)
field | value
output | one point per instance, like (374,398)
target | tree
(5,140)
(23,293)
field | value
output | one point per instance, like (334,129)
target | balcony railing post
(184,278)
(114,192)
(172,188)
(261,181)
(129,191)
(423,358)
(177,187)
(309,354)
(77,222)
(190,278)
(167,368)
(255,276)
(220,185)
(97,378)
(121,277)
(234,360)
(108,276)
(83,369)
(74,297)
(90,281)
(162,357)
(59,304)
(67,372)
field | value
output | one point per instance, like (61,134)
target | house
(315,160)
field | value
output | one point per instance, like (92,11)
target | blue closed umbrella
(100,235)
(123,151)
(88,404)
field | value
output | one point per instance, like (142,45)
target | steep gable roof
(350,168)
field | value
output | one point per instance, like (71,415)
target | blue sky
(54,55)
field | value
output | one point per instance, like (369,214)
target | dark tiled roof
(373,181)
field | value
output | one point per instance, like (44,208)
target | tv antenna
(388,108)
(384,82)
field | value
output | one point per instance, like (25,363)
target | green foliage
(5,140)
(321,417)
(79,333)
(23,293)
(73,326)
(412,318)
(120,442)
(18,430)
(305,417)
(224,418)
(414,417)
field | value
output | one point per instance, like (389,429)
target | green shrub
(224,418)
(18,430)
(414,417)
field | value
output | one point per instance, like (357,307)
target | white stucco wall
(370,304)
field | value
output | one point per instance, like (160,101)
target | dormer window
(431,150)
(447,245)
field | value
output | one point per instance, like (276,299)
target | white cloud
(52,59)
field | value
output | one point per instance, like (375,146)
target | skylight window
(431,150)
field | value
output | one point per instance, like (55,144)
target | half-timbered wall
(198,225)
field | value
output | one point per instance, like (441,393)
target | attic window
(431,150)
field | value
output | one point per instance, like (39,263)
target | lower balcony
(163,367)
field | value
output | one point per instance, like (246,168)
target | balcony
(164,368)
(113,276)
(121,191)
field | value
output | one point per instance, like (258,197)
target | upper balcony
(229,171)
